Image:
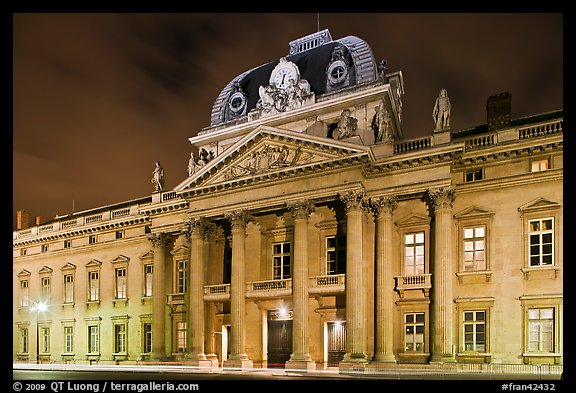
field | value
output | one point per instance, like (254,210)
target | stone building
(311,234)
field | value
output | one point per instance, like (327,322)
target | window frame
(282,255)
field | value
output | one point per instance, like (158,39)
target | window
(414,332)
(475,331)
(68,339)
(120,283)
(414,253)
(475,248)
(181,336)
(119,234)
(474,175)
(120,338)
(147,329)
(148,278)
(92,239)
(541,330)
(67,243)
(227,264)
(46,288)
(182,276)
(23,252)
(540,165)
(45,337)
(24,340)
(44,248)
(335,255)
(93,286)
(24,293)
(541,242)
(281,261)
(68,288)
(93,339)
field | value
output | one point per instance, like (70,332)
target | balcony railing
(219,292)
(417,281)
(176,298)
(333,283)
(269,288)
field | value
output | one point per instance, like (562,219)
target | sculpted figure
(191,164)
(441,112)
(381,124)
(346,125)
(158,178)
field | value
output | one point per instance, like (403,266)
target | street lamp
(38,308)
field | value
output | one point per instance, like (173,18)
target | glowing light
(39,307)
(283,311)
(337,323)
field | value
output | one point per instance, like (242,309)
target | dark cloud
(98,98)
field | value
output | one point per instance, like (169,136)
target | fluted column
(238,356)
(355,292)
(300,357)
(197,227)
(159,242)
(442,334)
(384,338)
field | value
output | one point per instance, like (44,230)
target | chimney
(499,110)
(22,221)
(40,220)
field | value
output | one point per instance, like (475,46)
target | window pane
(468,246)
(534,313)
(420,237)
(420,317)
(479,245)
(534,226)
(547,225)
(409,318)
(419,250)
(330,242)
(479,231)
(468,316)
(277,249)
(409,239)
(547,313)
(409,251)
(480,316)
(286,247)
(468,233)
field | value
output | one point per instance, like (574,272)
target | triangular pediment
(413,219)
(147,255)
(23,273)
(180,250)
(121,259)
(473,212)
(68,266)
(271,152)
(45,270)
(94,263)
(538,204)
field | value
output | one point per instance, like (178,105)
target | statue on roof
(381,124)
(158,178)
(191,164)
(346,126)
(441,112)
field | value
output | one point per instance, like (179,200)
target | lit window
(24,293)
(147,338)
(281,260)
(93,286)
(540,165)
(541,247)
(121,283)
(182,276)
(68,288)
(475,248)
(93,339)
(181,336)
(541,330)
(46,288)
(414,253)
(335,255)
(68,339)
(148,278)
(45,335)
(414,332)
(475,331)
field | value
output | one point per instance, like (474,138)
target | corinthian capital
(195,226)
(159,239)
(383,205)
(301,209)
(442,197)
(238,218)
(353,200)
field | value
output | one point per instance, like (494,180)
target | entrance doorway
(279,339)
(336,342)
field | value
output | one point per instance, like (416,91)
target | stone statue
(205,157)
(441,112)
(346,125)
(381,124)
(191,164)
(158,178)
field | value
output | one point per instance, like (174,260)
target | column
(210,307)
(384,334)
(159,242)
(442,338)
(355,315)
(238,357)
(300,357)
(196,231)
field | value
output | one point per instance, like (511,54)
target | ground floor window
(68,339)
(414,332)
(541,329)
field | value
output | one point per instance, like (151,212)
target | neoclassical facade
(310,234)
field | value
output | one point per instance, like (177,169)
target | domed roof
(314,55)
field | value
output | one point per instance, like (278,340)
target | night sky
(99,98)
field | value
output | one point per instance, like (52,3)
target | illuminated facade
(311,234)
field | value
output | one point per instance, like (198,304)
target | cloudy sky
(98,98)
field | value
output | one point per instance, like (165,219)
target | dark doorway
(279,342)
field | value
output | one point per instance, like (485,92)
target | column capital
(159,239)
(383,204)
(239,218)
(353,200)
(301,209)
(442,198)
(198,226)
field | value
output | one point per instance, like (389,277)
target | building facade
(310,233)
